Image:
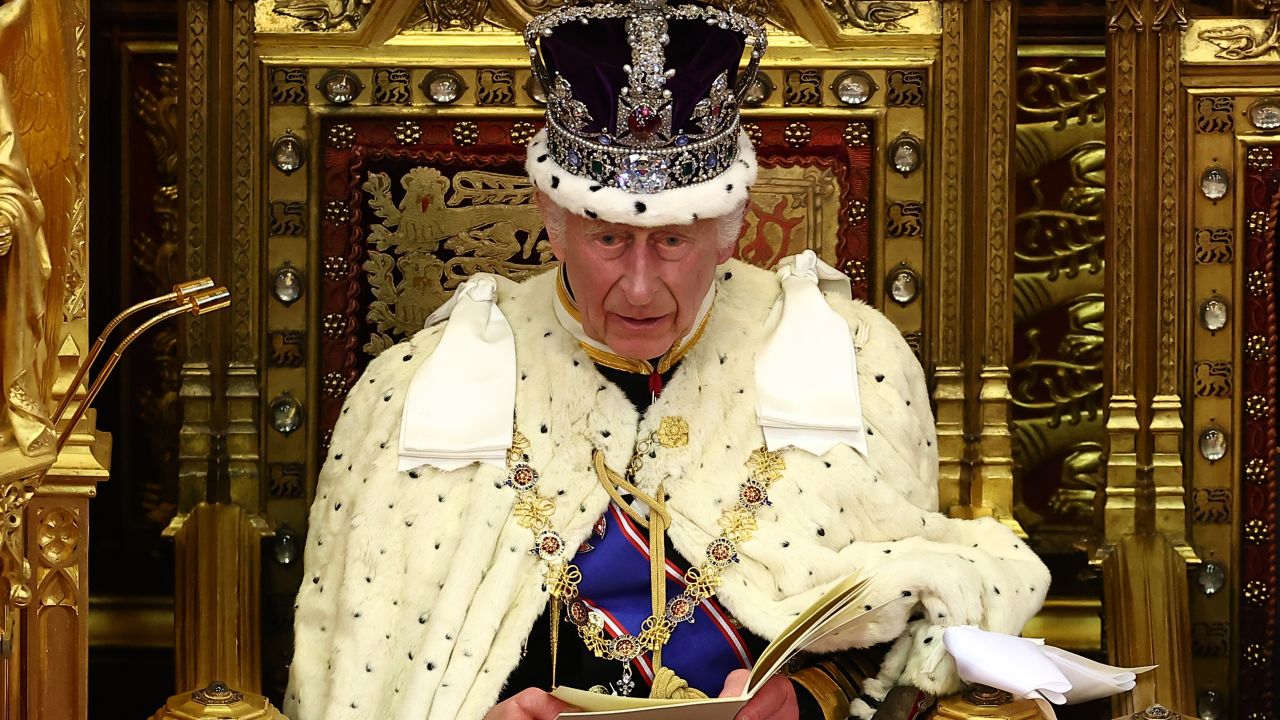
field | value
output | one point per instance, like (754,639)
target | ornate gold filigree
(738,524)
(1255,532)
(1260,157)
(1256,592)
(1058,243)
(1256,347)
(522,132)
(466,133)
(448,15)
(14,498)
(341,136)
(766,466)
(673,432)
(408,132)
(323,15)
(486,221)
(533,512)
(1241,42)
(159,260)
(878,16)
(1256,407)
(797,134)
(1062,93)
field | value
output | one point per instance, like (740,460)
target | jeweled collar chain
(738,524)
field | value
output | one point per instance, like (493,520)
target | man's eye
(673,241)
(607,240)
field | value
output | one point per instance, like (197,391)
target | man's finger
(776,700)
(735,683)
(539,705)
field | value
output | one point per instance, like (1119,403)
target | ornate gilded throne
(1070,211)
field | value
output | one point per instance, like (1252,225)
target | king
(631,472)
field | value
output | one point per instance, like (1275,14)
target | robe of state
(420,587)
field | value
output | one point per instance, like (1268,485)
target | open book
(842,609)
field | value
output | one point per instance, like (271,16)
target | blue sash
(615,580)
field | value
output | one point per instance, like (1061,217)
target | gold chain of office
(534,511)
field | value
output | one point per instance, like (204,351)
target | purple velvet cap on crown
(591,57)
(643,109)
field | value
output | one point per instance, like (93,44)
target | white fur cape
(420,588)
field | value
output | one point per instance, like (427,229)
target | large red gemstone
(643,122)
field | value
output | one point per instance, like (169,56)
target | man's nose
(639,274)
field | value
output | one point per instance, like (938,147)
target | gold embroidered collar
(571,318)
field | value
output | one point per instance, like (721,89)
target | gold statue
(25,269)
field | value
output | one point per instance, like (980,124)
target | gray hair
(728,227)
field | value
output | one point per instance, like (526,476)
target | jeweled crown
(645,95)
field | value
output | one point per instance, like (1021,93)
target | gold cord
(657,523)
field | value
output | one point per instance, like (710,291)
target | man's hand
(528,704)
(776,700)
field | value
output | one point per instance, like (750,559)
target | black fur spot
(542,157)
(640,207)
(590,213)
(555,181)
(728,188)
(594,188)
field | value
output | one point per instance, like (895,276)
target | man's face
(638,289)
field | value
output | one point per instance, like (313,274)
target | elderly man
(627,473)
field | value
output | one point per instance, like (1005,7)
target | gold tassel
(669,686)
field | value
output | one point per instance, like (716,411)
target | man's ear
(548,209)
(726,251)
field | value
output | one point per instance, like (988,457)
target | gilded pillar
(218,530)
(948,320)
(1124,26)
(217,548)
(976,324)
(1144,555)
(993,476)
(1166,402)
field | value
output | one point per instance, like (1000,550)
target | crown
(650,106)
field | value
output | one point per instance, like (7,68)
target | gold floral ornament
(673,432)
(533,512)
(738,524)
(562,582)
(701,584)
(766,466)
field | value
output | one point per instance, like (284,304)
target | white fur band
(677,206)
